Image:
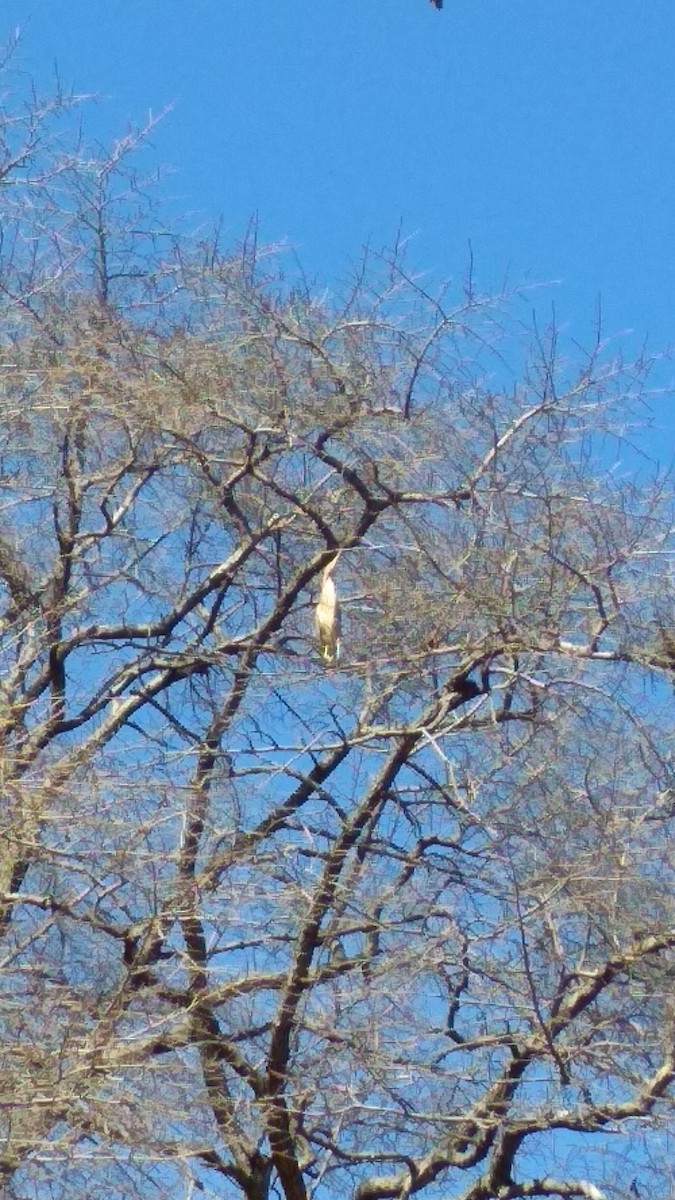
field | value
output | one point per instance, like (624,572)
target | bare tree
(273,923)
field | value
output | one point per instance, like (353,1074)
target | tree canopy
(275,925)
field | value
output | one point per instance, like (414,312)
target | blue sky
(542,131)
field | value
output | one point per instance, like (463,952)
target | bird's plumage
(327,616)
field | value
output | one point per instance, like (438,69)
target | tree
(272,925)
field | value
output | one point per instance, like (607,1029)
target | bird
(327,615)
(467,688)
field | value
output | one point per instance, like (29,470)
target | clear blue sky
(541,130)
